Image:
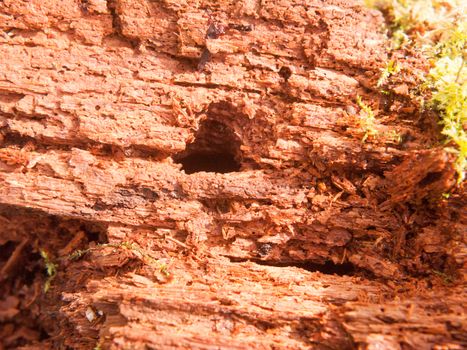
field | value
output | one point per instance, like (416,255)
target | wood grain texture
(106,105)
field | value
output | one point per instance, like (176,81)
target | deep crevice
(328,268)
(431,178)
(209,162)
(6,249)
(216,149)
(117,23)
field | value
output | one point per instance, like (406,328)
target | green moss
(447,80)
(439,30)
(420,20)
(452,41)
(367,120)
(391,68)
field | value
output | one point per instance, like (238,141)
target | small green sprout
(77,254)
(51,269)
(392,67)
(367,121)
(164,270)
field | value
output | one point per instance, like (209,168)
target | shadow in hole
(216,149)
(209,162)
(328,268)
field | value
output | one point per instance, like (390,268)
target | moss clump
(447,80)
(439,30)
(422,21)
(448,83)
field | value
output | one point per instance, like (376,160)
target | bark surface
(200,176)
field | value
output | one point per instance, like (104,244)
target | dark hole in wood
(6,250)
(215,149)
(32,265)
(328,268)
(209,162)
(430,178)
(285,73)
(95,232)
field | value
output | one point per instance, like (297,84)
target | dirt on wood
(198,175)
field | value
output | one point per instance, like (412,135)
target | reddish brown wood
(207,160)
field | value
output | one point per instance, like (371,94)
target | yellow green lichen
(51,269)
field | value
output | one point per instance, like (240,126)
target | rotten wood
(219,142)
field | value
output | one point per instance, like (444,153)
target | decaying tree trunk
(201,177)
